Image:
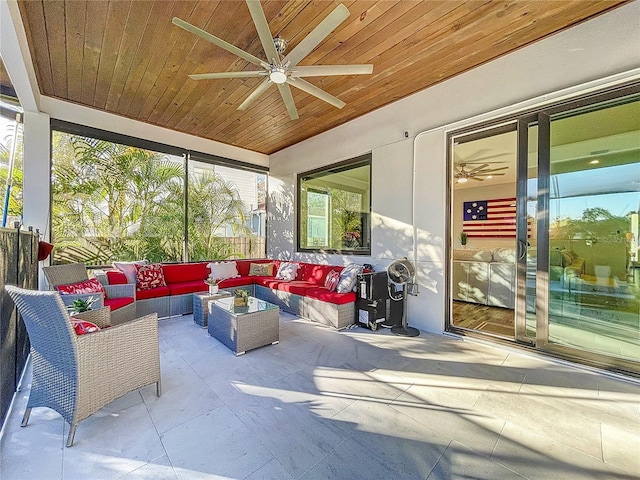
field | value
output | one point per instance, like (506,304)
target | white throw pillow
(223,270)
(129,269)
(287,271)
(348,278)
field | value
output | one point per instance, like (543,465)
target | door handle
(522,249)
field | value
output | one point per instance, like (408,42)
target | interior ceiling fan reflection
(278,69)
(478,173)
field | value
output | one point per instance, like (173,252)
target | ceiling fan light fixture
(462,180)
(280,44)
(278,75)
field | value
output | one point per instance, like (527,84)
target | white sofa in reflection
(485,276)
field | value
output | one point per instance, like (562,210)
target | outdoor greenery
(596,223)
(15,197)
(117,202)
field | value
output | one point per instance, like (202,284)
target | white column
(37,172)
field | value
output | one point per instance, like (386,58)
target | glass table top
(253,305)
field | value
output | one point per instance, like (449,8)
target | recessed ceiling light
(489,177)
(595,161)
(462,180)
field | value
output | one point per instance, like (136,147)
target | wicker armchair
(77,272)
(77,375)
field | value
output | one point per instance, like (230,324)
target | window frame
(355,162)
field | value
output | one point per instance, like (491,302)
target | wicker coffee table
(201,307)
(244,328)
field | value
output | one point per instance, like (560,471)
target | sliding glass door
(592,204)
(576,202)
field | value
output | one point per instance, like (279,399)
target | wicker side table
(201,308)
(244,328)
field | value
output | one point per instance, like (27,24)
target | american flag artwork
(490,218)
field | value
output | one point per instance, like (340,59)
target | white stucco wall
(411,221)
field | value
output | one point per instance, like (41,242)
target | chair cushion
(81,326)
(149,276)
(311,272)
(116,277)
(332,280)
(129,269)
(153,293)
(184,272)
(296,287)
(92,285)
(261,269)
(287,271)
(237,282)
(321,293)
(193,286)
(116,303)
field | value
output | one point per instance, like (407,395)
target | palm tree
(115,201)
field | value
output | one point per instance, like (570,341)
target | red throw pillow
(149,276)
(332,280)
(81,327)
(92,285)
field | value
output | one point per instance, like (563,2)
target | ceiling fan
(479,173)
(278,69)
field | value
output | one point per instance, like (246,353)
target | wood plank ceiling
(126,57)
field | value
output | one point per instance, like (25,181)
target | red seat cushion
(153,293)
(295,286)
(116,303)
(321,293)
(188,287)
(236,282)
(116,277)
(184,272)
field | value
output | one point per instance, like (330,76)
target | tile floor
(342,405)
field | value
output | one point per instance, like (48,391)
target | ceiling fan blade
(317,35)
(477,179)
(208,76)
(260,89)
(316,92)
(479,167)
(262,26)
(285,91)
(219,42)
(327,70)
(494,170)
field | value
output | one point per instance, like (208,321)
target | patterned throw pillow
(331,282)
(261,269)
(81,327)
(87,286)
(348,278)
(287,271)
(149,276)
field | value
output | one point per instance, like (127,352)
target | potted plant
(213,284)
(241,298)
(80,305)
(463,238)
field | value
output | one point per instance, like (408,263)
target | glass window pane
(335,208)
(10,161)
(593,212)
(226,212)
(115,202)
